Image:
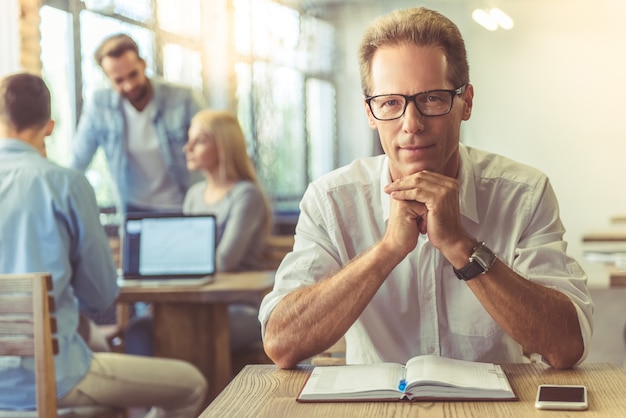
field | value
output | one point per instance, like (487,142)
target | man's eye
(433,98)
(391,102)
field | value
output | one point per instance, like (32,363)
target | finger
(423,179)
(425,196)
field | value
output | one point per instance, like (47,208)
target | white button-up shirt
(422,307)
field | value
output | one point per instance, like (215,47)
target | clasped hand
(426,203)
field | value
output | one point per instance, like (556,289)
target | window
(276,76)
(286,101)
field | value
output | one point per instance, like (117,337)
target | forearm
(83,151)
(311,319)
(541,319)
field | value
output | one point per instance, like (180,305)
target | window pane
(56,58)
(279,109)
(265,29)
(139,10)
(275,31)
(181,65)
(181,17)
(242,26)
(244,105)
(317,45)
(320,120)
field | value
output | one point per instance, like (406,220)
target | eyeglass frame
(408,99)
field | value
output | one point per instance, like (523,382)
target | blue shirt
(103,124)
(49,222)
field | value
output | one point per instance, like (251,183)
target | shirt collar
(467,187)
(16,145)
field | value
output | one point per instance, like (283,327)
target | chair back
(26,327)
(276,247)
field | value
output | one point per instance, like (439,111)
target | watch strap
(480,261)
(469,271)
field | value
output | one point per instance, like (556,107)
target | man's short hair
(24,101)
(419,26)
(115,46)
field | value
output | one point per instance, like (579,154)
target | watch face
(484,256)
(480,261)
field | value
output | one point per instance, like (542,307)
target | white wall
(551,93)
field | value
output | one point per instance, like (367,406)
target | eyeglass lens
(392,106)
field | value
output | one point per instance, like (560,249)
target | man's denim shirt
(103,124)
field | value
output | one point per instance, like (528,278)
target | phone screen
(562,397)
(562,394)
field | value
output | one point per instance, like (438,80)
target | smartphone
(562,397)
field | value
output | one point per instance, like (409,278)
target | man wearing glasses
(435,247)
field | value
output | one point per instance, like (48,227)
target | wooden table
(191,322)
(265,391)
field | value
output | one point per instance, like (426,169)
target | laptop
(160,249)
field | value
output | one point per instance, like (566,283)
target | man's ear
(49,127)
(371,120)
(468,101)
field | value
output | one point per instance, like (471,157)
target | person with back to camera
(435,247)
(231,192)
(141,123)
(50,223)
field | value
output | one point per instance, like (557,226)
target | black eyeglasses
(429,103)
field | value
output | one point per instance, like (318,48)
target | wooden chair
(276,247)
(26,329)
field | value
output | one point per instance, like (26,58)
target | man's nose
(413,120)
(128,85)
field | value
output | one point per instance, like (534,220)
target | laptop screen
(168,246)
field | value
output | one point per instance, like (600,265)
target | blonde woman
(217,148)
(230,190)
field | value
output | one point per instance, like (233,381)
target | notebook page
(456,372)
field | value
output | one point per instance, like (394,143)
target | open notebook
(168,249)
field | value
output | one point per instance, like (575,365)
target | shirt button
(431,349)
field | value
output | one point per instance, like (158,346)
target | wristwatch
(480,262)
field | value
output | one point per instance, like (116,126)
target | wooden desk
(266,391)
(191,322)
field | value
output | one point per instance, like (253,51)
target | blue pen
(402,385)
